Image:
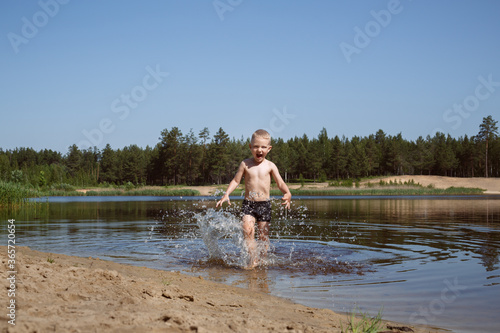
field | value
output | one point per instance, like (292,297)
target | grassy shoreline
(137,192)
(17,194)
(386,191)
(12,194)
(180,191)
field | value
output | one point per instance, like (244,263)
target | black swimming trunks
(260,210)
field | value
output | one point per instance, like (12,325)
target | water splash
(222,235)
(221,232)
(152,229)
(219,193)
(201,236)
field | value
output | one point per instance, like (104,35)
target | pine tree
(171,152)
(109,165)
(218,154)
(488,131)
(204,136)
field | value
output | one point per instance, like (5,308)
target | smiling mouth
(259,155)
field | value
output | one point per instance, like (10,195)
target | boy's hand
(287,198)
(224,198)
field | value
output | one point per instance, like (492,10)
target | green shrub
(322,177)
(301,180)
(42,182)
(62,187)
(16,176)
(342,183)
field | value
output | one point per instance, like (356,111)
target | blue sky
(119,72)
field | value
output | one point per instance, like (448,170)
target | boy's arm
(287,196)
(232,185)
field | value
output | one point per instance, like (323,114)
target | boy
(256,206)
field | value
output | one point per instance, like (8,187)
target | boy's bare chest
(258,172)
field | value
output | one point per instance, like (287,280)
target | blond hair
(260,133)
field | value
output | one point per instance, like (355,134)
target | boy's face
(260,147)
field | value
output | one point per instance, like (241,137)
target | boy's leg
(263,231)
(248,224)
(263,237)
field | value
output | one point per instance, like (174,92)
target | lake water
(421,260)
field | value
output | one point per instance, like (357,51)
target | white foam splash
(223,236)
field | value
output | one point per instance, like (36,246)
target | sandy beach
(59,293)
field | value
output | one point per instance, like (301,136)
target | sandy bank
(490,185)
(73,294)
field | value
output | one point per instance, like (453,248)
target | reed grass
(61,193)
(360,322)
(146,192)
(14,193)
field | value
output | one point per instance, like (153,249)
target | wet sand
(59,293)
